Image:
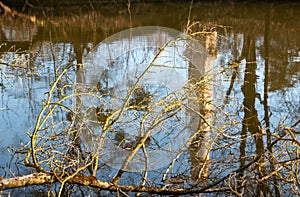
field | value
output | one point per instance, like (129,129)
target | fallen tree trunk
(91,181)
(26,180)
(47,178)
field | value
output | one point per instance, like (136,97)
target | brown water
(256,44)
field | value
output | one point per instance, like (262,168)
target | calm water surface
(255,56)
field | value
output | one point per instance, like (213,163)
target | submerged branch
(91,181)
(47,178)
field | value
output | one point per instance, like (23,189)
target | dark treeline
(23,4)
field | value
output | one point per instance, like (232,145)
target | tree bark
(26,180)
(47,178)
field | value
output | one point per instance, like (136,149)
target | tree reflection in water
(251,152)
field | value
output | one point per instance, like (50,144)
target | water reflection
(130,65)
(251,122)
(257,80)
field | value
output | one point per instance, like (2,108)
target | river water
(251,63)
